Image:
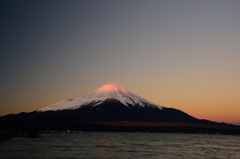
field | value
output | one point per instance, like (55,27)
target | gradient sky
(180,54)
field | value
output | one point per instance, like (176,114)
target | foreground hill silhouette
(112,108)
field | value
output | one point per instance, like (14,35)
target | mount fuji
(99,96)
(112,108)
(113,102)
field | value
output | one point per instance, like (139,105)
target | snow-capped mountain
(111,108)
(112,102)
(99,96)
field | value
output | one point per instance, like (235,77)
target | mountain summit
(99,96)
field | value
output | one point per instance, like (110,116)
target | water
(97,145)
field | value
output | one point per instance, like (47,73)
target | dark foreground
(28,129)
(164,127)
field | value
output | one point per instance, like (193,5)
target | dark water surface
(95,145)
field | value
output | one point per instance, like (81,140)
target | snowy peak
(111,88)
(99,96)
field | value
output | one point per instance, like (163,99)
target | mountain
(99,96)
(113,102)
(112,108)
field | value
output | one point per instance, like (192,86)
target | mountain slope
(114,103)
(97,97)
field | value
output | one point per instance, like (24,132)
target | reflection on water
(122,145)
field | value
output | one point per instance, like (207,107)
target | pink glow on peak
(111,88)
